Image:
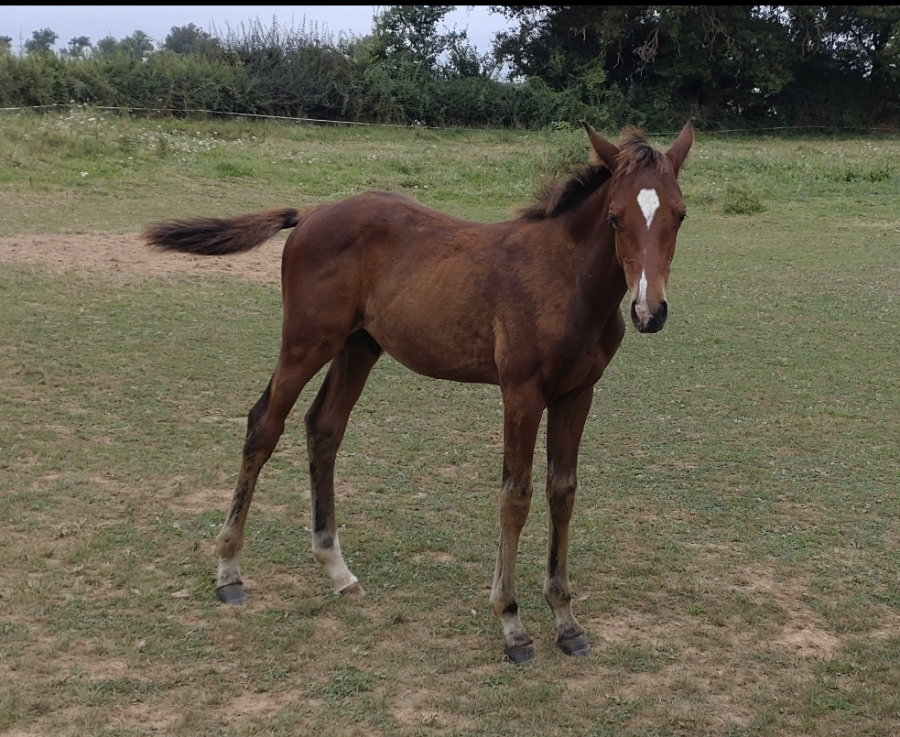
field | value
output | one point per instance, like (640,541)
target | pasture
(736,538)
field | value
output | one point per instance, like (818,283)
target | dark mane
(555,199)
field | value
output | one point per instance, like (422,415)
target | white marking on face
(640,302)
(648,201)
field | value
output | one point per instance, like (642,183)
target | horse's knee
(517,490)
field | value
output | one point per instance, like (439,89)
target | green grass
(89,161)
(736,539)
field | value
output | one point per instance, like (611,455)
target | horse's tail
(220,236)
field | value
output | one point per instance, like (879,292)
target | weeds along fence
(306,78)
(303,82)
(557,126)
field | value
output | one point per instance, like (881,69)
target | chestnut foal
(531,304)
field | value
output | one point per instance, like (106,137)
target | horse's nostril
(658,319)
(651,323)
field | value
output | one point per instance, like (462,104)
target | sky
(119,21)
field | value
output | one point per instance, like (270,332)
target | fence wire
(422,126)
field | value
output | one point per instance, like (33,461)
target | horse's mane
(635,153)
(555,199)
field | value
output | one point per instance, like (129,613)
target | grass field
(737,529)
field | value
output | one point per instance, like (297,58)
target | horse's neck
(589,224)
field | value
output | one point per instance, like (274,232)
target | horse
(532,305)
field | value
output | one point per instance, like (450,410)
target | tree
(41,42)
(724,61)
(850,67)
(865,39)
(137,45)
(190,39)
(107,47)
(834,63)
(666,59)
(463,60)
(5,45)
(408,35)
(406,38)
(77,46)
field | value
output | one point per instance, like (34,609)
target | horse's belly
(435,319)
(436,339)
(439,356)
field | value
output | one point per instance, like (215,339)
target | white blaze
(640,300)
(648,201)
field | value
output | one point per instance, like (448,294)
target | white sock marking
(333,562)
(648,201)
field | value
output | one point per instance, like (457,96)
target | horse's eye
(613,220)
(681,218)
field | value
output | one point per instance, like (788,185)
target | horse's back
(376,219)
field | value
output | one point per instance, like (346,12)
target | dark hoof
(519,654)
(232,593)
(575,645)
(354,589)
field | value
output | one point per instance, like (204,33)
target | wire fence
(868,130)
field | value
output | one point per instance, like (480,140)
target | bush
(305,74)
(740,200)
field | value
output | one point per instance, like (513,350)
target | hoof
(232,593)
(575,645)
(519,654)
(354,589)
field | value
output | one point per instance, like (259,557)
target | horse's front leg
(522,416)
(565,422)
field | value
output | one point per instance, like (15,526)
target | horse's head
(645,211)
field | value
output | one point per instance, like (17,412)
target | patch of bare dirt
(417,707)
(804,634)
(127,253)
(717,670)
(151,717)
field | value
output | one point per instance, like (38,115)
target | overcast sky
(98,21)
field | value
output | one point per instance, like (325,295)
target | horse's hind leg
(565,423)
(522,412)
(325,425)
(265,424)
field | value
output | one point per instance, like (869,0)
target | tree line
(652,65)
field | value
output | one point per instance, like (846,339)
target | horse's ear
(606,151)
(678,152)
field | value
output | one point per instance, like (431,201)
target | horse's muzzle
(653,322)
